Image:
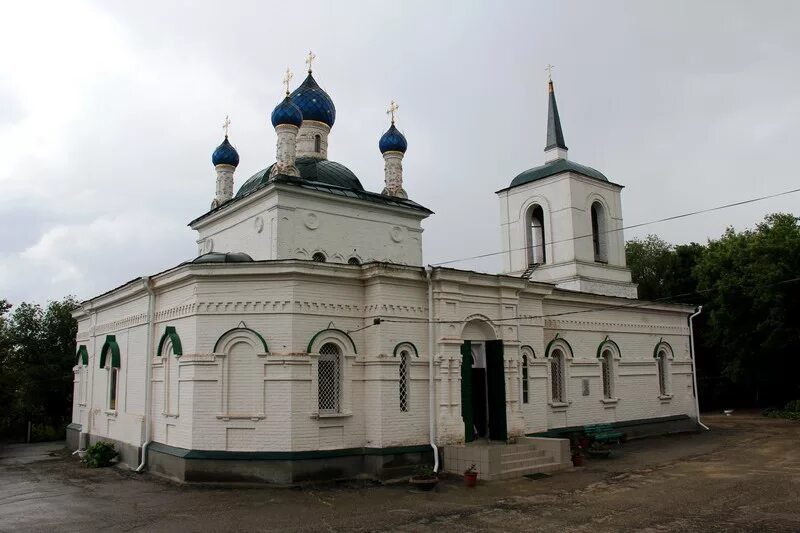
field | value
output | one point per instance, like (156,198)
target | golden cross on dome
(549,68)
(286,79)
(392,111)
(226,124)
(310,59)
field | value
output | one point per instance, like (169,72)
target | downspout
(151,311)
(694,368)
(431,384)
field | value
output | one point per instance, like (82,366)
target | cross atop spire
(310,60)
(287,78)
(392,110)
(549,68)
(225,125)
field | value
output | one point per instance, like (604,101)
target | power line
(639,225)
(638,303)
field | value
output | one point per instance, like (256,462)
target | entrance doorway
(483,391)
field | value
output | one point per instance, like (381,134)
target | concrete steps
(496,461)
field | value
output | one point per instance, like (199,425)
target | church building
(308,340)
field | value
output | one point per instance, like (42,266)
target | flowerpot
(577,460)
(583,443)
(470,479)
(425,484)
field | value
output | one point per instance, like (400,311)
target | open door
(466,389)
(495,374)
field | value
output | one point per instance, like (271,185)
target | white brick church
(308,340)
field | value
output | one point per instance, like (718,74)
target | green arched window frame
(112,346)
(610,343)
(552,342)
(663,344)
(331,330)
(408,344)
(83,355)
(170,334)
(241,329)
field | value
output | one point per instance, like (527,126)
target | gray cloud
(688,105)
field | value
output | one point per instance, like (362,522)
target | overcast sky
(109,112)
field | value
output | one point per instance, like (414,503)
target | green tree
(663,271)
(750,282)
(37,354)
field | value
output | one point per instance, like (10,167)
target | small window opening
(403,383)
(524,378)
(319,257)
(353,261)
(599,233)
(329,378)
(112,389)
(557,376)
(317,143)
(608,379)
(536,242)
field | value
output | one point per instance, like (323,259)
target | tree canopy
(747,281)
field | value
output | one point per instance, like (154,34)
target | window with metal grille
(329,374)
(557,376)
(661,362)
(608,379)
(353,261)
(319,257)
(524,378)
(403,383)
(112,388)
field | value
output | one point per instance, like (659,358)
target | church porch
(498,460)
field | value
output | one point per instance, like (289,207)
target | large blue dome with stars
(393,141)
(225,154)
(314,103)
(287,113)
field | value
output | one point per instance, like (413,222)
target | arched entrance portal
(483,391)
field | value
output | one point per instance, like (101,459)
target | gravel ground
(744,475)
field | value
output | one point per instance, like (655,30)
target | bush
(42,433)
(100,454)
(793,406)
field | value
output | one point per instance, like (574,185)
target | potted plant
(424,478)
(598,449)
(470,476)
(577,457)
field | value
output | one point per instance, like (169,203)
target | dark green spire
(555,137)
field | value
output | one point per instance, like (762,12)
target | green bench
(602,433)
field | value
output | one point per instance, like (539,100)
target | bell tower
(561,222)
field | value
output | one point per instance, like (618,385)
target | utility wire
(639,225)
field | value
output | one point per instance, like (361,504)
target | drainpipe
(694,368)
(431,385)
(151,311)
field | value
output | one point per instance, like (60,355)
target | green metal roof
(552,168)
(311,169)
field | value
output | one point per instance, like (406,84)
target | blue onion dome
(314,103)
(393,141)
(225,154)
(287,113)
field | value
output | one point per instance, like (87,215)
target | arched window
(537,253)
(557,376)
(353,261)
(599,233)
(607,369)
(662,366)
(317,143)
(329,371)
(112,388)
(319,257)
(524,378)
(403,382)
